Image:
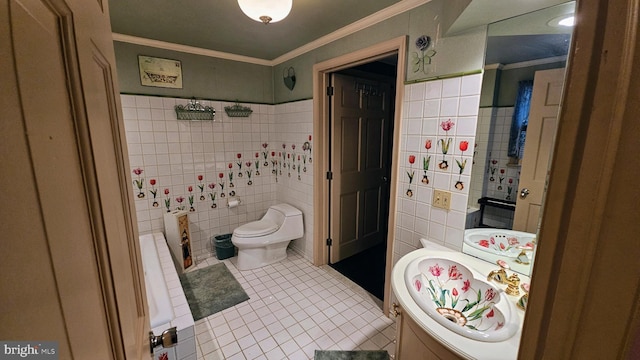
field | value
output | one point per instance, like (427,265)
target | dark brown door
(360,137)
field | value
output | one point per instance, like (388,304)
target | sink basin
(450,294)
(507,243)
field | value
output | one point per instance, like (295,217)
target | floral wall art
(421,58)
(197,166)
(433,55)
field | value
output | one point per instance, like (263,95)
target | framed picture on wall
(160,72)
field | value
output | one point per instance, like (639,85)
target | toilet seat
(255,229)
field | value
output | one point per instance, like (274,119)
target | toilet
(265,241)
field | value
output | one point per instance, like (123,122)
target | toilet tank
(288,218)
(286,209)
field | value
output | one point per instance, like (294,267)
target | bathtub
(167,303)
(158,299)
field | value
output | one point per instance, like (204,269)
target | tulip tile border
(288,160)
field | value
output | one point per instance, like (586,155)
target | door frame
(321,121)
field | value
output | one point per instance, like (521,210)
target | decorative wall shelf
(238,110)
(194,111)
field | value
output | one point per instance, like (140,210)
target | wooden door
(538,147)
(361,120)
(70,256)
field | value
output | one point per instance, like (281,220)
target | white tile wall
(484,138)
(426,106)
(499,187)
(176,153)
(294,126)
(493,175)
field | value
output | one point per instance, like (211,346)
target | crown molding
(496,66)
(188,49)
(393,10)
(523,64)
(352,28)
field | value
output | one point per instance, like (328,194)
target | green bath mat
(211,289)
(351,355)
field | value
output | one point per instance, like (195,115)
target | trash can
(224,246)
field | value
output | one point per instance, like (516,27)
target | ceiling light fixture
(266,11)
(565,20)
(568,21)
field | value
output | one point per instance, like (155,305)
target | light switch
(442,199)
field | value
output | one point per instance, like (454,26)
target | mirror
(517,48)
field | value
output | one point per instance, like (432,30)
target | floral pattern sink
(507,243)
(450,294)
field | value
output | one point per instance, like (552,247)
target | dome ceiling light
(564,20)
(266,11)
(568,21)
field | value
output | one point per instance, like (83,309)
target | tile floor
(294,309)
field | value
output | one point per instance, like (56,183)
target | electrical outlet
(442,199)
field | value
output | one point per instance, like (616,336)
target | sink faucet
(500,276)
(522,258)
(522,302)
(512,282)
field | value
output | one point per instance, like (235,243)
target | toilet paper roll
(231,203)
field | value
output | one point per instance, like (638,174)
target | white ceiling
(529,36)
(480,12)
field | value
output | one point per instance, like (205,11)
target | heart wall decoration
(289,76)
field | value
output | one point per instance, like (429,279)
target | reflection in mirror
(509,139)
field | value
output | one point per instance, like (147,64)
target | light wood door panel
(541,130)
(82,242)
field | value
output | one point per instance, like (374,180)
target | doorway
(322,107)
(361,123)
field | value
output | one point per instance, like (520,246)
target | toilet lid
(256,228)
